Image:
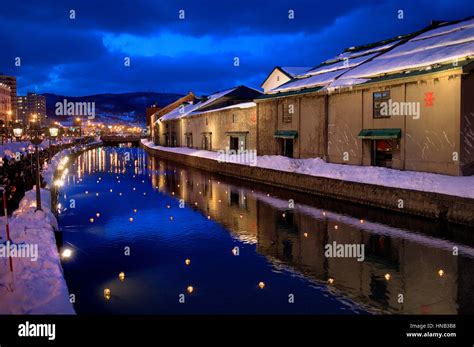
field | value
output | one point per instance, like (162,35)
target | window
(379,99)
(234,118)
(207,123)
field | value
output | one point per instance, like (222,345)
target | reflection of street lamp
(36,140)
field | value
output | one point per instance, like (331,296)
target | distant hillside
(127,108)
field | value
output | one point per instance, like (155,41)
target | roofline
(276,68)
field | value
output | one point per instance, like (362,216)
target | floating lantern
(387,277)
(220,200)
(143,181)
(241,216)
(196,203)
(66,253)
(172,193)
(96,194)
(324,213)
(120,194)
(168,206)
(218,182)
(107,293)
(336,227)
(440,272)
(283,215)
(235,250)
(305,234)
(97,214)
(86,192)
(208,217)
(268,194)
(190,289)
(144,193)
(187,261)
(110,190)
(171,218)
(361,221)
(261,285)
(178,186)
(135,210)
(330,280)
(130,219)
(118,181)
(91,220)
(122,276)
(134,188)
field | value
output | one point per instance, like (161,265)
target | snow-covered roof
(440,45)
(242,105)
(184,110)
(331,69)
(443,44)
(294,71)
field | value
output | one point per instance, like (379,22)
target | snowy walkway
(35,286)
(421,181)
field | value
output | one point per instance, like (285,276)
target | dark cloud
(85,55)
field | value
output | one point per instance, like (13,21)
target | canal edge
(435,206)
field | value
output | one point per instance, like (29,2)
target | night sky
(85,55)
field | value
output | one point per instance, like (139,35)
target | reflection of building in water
(391,267)
(228,205)
(396,261)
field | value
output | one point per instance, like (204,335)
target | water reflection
(404,272)
(409,265)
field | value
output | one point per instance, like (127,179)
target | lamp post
(53,133)
(17,131)
(36,140)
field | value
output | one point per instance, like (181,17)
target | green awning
(286,134)
(380,134)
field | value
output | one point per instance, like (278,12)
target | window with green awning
(380,134)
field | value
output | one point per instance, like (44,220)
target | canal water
(192,242)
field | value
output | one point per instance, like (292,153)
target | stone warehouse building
(404,103)
(223,120)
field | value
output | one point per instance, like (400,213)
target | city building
(222,120)
(10,81)
(29,105)
(6,113)
(401,103)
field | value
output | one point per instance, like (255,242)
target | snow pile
(34,287)
(421,181)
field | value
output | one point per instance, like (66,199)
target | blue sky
(85,55)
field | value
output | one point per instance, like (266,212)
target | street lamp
(17,131)
(36,140)
(53,133)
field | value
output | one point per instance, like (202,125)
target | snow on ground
(34,287)
(421,181)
